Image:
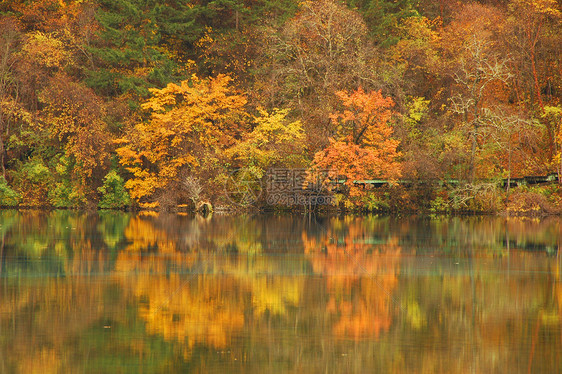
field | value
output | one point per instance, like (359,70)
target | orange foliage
(364,148)
(365,118)
(360,280)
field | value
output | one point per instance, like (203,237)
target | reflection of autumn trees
(278,294)
(193,311)
(360,277)
(217,277)
(50,294)
(42,316)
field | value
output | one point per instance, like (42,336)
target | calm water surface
(130,293)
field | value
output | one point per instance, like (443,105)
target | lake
(114,292)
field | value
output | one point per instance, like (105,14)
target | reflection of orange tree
(360,278)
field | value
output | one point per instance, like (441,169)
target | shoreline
(284,211)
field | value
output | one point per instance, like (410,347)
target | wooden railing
(513,182)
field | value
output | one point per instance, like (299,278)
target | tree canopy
(142,94)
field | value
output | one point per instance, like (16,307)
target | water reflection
(165,293)
(361,274)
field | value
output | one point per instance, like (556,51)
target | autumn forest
(157,104)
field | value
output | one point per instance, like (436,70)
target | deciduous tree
(480,76)
(275,141)
(323,49)
(190,126)
(364,148)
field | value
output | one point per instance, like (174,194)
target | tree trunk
(508,169)
(2,145)
(471,173)
(533,44)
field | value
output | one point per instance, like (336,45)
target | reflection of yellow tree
(270,294)
(273,295)
(198,310)
(202,309)
(360,277)
(143,235)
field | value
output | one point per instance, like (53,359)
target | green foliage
(65,196)
(34,181)
(35,171)
(374,201)
(141,44)
(113,192)
(439,205)
(383,17)
(273,11)
(68,191)
(8,197)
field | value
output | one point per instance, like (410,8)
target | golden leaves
(274,141)
(45,50)
(189,121)
(73,116)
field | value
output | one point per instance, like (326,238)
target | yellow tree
(72,115)
(274,141)
(190,126)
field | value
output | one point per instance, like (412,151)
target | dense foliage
(118,103)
